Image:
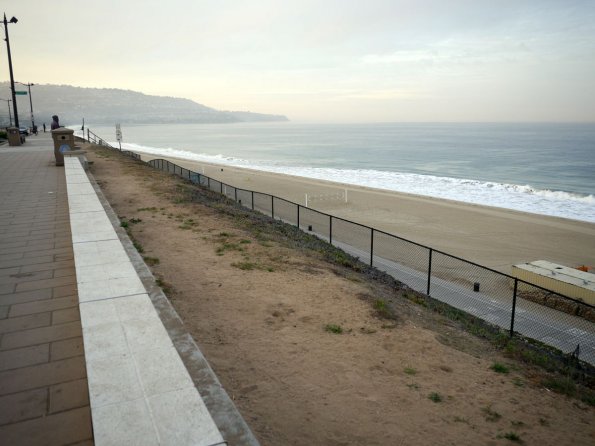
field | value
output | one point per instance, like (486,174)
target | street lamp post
(14,99)
(29,85)
(8,101)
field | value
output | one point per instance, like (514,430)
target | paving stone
(48,283)
(40,335)
(26,277)
(10,257)
(23,357)
(45,245)
(50,265)
(66,315)
(113,380)
(64,272)
(4,311)
(69,395)
(12,324)
(29,296)
(7,288)
(182,419)
(47,374)
(132,414)
(23,405)
(26,261)
(67,348)
(64,291)
(59,429)
(8,271)
(43,306)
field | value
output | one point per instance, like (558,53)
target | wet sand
(493,237)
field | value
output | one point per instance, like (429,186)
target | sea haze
(546,169)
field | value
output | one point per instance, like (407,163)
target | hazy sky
(318,60)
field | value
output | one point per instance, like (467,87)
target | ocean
(544,169)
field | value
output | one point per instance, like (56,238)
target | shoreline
(494,237)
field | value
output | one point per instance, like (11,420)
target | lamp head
(13,20)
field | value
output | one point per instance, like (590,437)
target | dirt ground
(266,312)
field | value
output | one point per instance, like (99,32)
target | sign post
(119,135)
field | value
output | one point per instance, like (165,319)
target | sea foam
(523,198)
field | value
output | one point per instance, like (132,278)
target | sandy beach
(494,237)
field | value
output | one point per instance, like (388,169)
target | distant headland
(110,105)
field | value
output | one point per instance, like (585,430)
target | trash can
(14,137)
(63,142)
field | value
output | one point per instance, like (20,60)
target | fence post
(252,200)
(220,187)
(429,271)
(516,283)
(371,246)
(209,182)
(272,207)
(235,193)
(298,216)
(330,230)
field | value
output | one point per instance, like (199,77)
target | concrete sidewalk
(44,397)
(132,373)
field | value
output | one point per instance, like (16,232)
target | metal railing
(500,299)
(94,139)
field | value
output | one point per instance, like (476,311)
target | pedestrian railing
(502,300)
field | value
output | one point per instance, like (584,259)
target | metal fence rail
(500,299)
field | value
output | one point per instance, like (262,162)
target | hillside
(110,105)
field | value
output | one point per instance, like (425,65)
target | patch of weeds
(490,415)
(333,328)
(367,330)
(419,300)
(342,258)
(224,234)
(226,246)
(413,386)
(245,266)
(560,384)
(245,241)
(513,436)
(151,209)
(138,246)
(517,423)
(134,220)
(409,371)
(382,309)
(166,287)
(588,397)
(435,397)
(189,223)
(151,261)
(124,224)
(458,419)
(518,382)
(500,368)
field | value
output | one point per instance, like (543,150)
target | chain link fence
(502,300)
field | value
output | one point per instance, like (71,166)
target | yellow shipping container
(570,282)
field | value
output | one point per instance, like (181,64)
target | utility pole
(14,99)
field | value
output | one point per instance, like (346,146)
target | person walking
(44,127)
